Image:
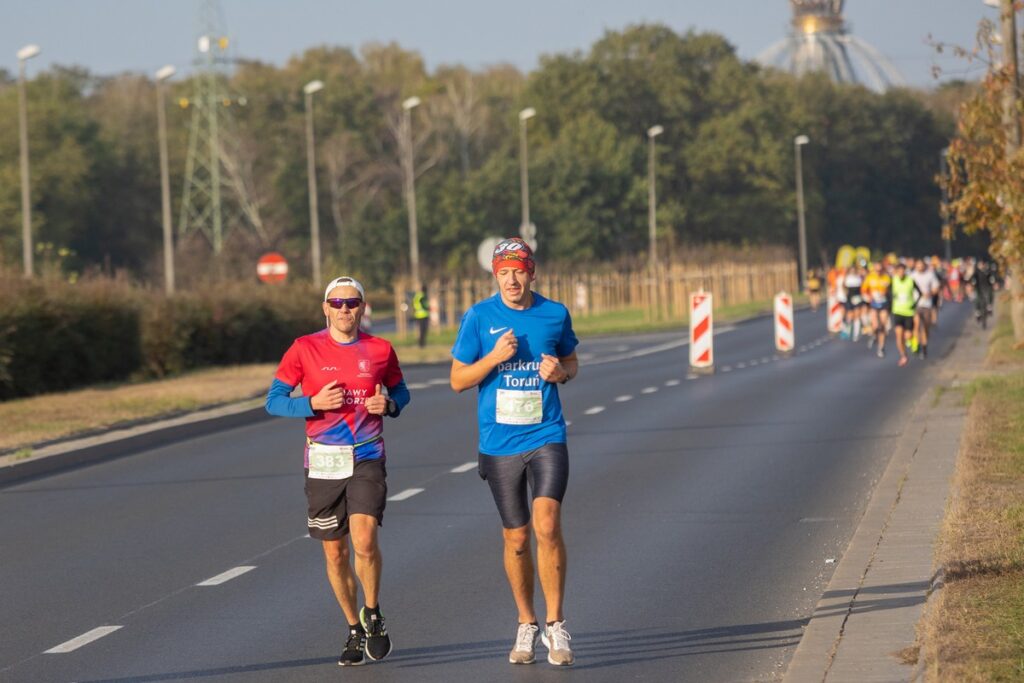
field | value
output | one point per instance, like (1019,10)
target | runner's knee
(517,540)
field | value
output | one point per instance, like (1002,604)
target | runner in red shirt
(344,374)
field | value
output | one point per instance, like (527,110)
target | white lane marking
(689,377)
(671,382)
(816,520)
(802,349)
(740,366)
(81,640)
(754,363)
(464,467)
(621,348)
(593,411)
(623,398)
(437,380)
(417,385)
(648,390)
(654,349)
(765,359)
(726,368)
(568,423)
(226,576)
(403,495)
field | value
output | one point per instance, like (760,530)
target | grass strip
(975,630)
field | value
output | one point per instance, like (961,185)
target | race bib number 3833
(330,462)
(519,407)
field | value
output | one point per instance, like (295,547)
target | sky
(113,36)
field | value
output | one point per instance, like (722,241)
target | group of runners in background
(904,295)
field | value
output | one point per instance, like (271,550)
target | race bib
(330,462)
(519,407)
(903,297)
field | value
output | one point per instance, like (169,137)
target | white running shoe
(522,652)
(556,640)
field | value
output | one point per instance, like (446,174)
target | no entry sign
(272,267)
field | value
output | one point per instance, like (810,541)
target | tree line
(725,163)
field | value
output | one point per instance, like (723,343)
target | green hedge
(56,336)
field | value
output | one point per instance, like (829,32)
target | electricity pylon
(215,197)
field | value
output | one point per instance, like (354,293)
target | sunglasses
(351,303)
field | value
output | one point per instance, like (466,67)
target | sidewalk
(867,616)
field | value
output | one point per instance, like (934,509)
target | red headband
(512,253)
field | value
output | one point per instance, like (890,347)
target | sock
(355,627)
(370,611)
(551,623)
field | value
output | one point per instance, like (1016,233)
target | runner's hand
(551,369)
(329,397)
(506,347)
(376,404)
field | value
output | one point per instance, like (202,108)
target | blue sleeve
(568,341)
(280,403)
(467,342)
(400,395)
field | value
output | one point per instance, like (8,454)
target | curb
(117,443)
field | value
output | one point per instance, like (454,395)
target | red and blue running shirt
(359,366)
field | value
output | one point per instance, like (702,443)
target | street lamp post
(798,142)
(652,225)
(314,216)
(24,54)
(165,184)
(410,190)
(526,230)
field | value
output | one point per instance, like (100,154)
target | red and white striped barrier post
(835,315)
(784,337)
(702,357)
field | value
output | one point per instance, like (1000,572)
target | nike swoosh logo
(496,331)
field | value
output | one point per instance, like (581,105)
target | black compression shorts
(545,470)
(331,501)
(904,321)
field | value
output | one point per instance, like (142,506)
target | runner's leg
(369,563)
(519,569)
(339,574)
(551,558)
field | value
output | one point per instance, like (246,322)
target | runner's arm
(280,403)
(466,376)
(400,395)
(570,364)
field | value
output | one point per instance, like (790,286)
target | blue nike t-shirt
(518,411)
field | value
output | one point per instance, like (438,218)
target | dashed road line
(593,411)
(403,495)
(740,366)
(623,398)
(464,467)
(226,576)
(671,382)
(84,639)
(648,390)
(437,381)
(726,368)
(417,385)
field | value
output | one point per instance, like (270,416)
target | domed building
(820,40)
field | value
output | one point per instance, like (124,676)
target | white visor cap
(345,282)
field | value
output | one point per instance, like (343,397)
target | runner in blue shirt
(517,346)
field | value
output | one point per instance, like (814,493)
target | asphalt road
(701,518)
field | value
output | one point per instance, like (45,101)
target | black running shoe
(352,655)
(378,642)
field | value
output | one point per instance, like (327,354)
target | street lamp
(652,249)
(526,229)
(314,217)
(24,54)
(165,184)
(410,190)
(798,142)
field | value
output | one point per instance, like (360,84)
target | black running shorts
(331,501)
(545,470)
(904,321)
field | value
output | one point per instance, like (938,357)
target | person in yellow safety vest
(421,314)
